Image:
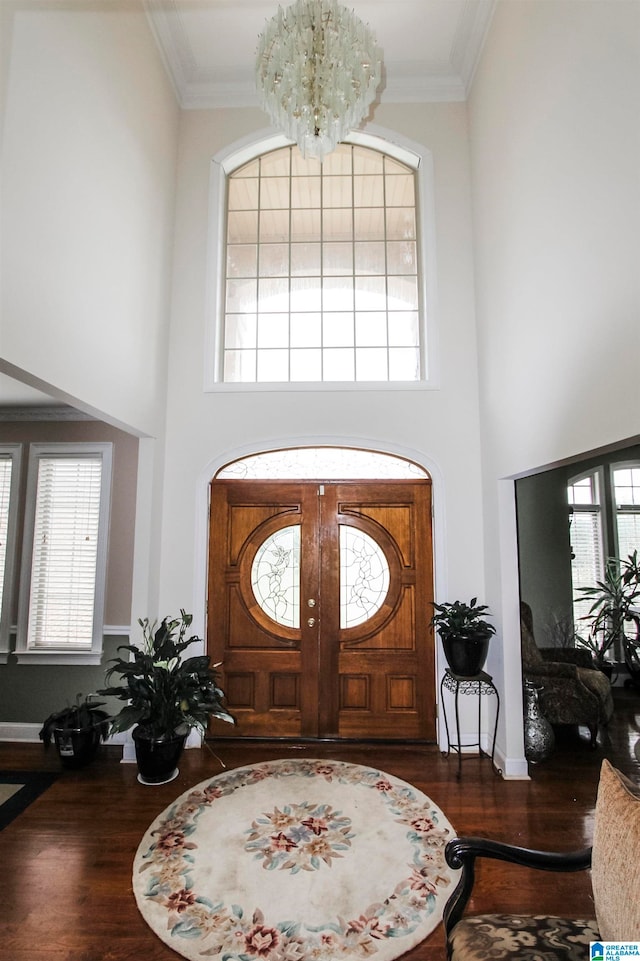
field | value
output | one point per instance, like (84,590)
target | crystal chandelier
(318,68)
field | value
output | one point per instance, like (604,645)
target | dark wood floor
(65,862)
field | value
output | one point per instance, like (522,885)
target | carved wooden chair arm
(462,853)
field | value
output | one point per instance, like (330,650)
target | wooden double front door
(319,605)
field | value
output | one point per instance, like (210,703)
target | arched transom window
(321,270)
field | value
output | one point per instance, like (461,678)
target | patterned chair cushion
(492,937)
(615,874)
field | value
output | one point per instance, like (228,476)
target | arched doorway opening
(320,591)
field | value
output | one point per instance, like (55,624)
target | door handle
(311,621)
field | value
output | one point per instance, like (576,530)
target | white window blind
(626,484)
(628,533)
(6,471)
(65,544)
(64,557)
(587,562)
(10,458)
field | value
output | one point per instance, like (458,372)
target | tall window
(321,270)
(587,561)
(626,489)
(10,456)
(64,561)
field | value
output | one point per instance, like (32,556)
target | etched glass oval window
(364,577)
(275,576)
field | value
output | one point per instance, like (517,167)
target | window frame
(14,452)
(240,153)
(616,509)
(62,655)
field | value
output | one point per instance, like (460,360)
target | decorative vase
(539,739)
(465,656)
(77,746)
(157,757)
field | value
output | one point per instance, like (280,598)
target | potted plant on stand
(77,731)
(465,635)
(167,696)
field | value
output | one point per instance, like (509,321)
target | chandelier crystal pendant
(318,68)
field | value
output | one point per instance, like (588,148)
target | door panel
(396,657)
(346,652)
(269,674)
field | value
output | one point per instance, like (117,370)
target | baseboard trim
(18,731)
(21,731)
(513,769)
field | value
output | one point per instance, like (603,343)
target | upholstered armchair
(615,863)
(573,691)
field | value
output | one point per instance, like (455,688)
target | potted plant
(615,603)
(77,731)
(167,695)
(465,635)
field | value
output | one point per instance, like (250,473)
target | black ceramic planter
(466,657)
(76,747)
(157,757)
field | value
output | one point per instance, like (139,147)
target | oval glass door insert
(275,576)
(364,577)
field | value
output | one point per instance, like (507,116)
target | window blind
(65,551)
(628,532)
(626,482)
(587,564)
(6,470)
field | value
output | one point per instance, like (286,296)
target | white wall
(439,427)
(555,141)
(555,161)
(90,128)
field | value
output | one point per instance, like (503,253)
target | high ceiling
(430,51)
(430,47)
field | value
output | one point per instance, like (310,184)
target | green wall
(30,692)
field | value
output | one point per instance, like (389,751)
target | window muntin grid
(322,269)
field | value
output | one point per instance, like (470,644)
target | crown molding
(197,89)
(470,37)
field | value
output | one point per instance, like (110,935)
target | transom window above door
(322,282)
(338,463)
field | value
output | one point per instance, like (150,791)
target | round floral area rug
(295,860)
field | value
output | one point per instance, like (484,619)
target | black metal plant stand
(478,685)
